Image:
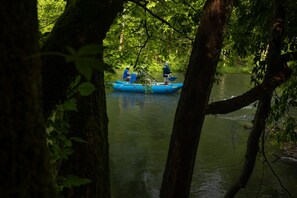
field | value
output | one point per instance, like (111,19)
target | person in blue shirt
(126,74)
(166,72)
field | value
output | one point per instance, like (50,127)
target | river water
(139,134)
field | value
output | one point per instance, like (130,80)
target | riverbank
(234,70)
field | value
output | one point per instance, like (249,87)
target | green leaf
(86,89)
(71,51)
(86,59)
(73,180)
(70,105)
(69,58)
(84,69)
(89,50)
(76,81)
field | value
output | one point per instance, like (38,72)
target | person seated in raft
(166,72)
(126,74)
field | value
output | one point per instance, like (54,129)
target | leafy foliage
(48,13)
(86,60)
(142,39)
(284,111)
(59,142)
(71,180)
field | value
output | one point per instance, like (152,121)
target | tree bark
(275,64)
(90,160)
(24,168)
(254,94)
(82,23)
(194,97)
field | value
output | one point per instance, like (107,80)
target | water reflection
(128,100)
(140,128)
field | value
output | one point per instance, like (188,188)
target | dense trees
(148,33)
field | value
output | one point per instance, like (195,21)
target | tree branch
(254,94)
(159,18)
(274,64)
(289,56)
(144,44)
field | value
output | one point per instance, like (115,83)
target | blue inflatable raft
(154,88)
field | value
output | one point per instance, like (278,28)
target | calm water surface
(139,134)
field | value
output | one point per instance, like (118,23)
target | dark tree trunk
(85,22)
(275,64)
(252,144)
(24,166)
(194,97)
(90,160)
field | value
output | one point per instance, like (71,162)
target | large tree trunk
(84,22)
(194,97)
(24,156)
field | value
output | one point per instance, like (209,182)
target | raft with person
(148,87)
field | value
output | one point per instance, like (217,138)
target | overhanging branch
(159,18)
(254,94)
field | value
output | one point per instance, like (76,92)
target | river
(139,134)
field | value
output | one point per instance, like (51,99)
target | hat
(166,63)
(127,67)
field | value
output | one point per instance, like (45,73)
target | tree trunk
(85,22)
(90,160)
(194,97)
(275,64)
(24,168)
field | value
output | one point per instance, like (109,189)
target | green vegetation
(48,13)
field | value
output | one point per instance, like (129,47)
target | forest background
(142,38)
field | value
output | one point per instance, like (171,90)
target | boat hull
(157,88)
